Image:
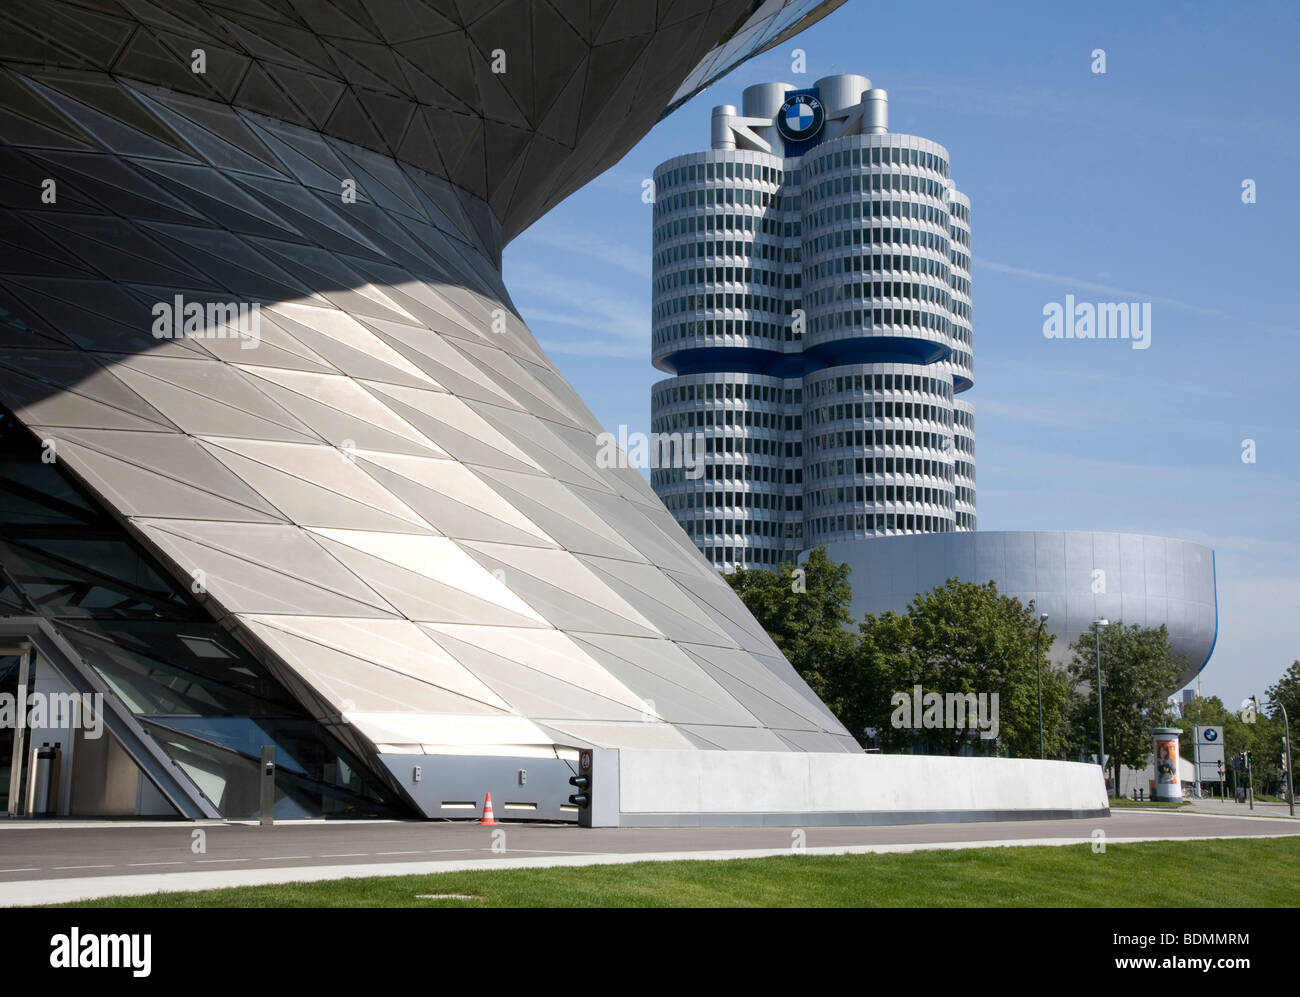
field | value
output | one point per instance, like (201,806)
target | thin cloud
(1128,293)
(586,244)
(546,298)
(1041,414)
(1088,110)
(591,348)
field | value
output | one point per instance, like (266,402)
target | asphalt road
(52,852)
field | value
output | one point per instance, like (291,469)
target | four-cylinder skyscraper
(812,302)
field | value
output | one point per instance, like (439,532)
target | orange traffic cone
(489,819)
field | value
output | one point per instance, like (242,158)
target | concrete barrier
(653,788)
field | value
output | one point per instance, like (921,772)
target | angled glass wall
(205,701)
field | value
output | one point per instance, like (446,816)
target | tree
(863,688)
(1260,735)
(1138,671)
(1263,739)
(1264,736)
(1210,712)
(962,639)
(805,610)
(1287,692)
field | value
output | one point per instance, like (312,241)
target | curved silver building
(290,496)
(1073,576)
(282,465)
(811,299)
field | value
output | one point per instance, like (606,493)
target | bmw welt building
(286,476)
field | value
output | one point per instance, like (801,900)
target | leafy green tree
(1264,731)
(1264,740)
(1287,692)
(962,638)
(1138,672)
(1260,735)
(863,689)
(805,610)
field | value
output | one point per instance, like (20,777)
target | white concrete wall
(770,782)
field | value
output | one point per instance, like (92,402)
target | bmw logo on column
(801,117)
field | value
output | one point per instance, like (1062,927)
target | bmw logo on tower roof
(801,117)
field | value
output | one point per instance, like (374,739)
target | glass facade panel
(209,704)
(222,755)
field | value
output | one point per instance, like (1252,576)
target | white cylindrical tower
(838,92)
(875,119)
(962,360)
(876,290)
(722,269)
(723,137)
(763,100)
(814,311)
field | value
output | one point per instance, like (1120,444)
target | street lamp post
(1101,735)
(1250,782)
(1286,757)
(1042,619)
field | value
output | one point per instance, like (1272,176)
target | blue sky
(1117,187)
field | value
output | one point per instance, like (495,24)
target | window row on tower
(885,149)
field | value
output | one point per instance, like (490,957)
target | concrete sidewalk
(1218,806)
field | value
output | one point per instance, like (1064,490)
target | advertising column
(1166,751)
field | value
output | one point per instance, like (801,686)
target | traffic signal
(582,798)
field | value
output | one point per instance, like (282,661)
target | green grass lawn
(1243,872)
(1128,801)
